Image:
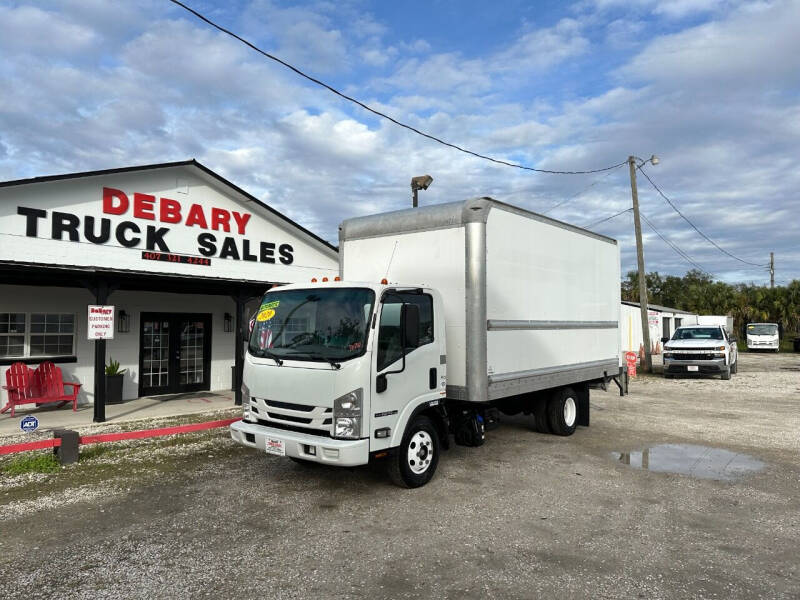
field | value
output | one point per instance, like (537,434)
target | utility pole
(772,269)
(648,359)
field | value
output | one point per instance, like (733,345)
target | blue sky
(710,86)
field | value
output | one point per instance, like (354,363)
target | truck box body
(530,303)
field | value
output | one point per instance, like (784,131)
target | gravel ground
(525,515)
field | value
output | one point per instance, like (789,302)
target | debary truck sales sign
(169,220)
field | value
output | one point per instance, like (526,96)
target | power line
(614,216)
(583,191)
(685,218)
(680,252)
(377,112)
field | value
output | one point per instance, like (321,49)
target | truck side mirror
(664,340)
(409,317)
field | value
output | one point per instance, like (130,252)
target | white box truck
(442,317)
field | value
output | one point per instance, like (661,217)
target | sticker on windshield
(266,315)
(268,305)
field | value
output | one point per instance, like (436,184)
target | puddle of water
(697,461)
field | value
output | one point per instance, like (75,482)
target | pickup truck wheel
(735,367)
(416,459)
(562,412)
(726,374)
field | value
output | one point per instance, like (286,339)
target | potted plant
(114,378)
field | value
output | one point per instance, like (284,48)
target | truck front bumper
(314,448)
(676,365)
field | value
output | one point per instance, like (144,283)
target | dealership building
(180,252)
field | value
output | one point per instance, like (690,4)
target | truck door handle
(432,378)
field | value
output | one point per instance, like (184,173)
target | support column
(101,293)
(238,354)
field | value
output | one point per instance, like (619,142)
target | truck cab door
(404,378)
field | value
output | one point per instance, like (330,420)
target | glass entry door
(174,353)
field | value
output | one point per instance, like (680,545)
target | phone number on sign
(176,258)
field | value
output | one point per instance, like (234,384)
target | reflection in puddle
(698,461)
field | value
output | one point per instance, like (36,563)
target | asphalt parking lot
(524,516)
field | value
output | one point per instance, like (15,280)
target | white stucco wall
(125,346)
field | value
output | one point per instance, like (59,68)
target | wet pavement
(688,459)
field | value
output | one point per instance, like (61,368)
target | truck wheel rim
(570,412)
(420,452)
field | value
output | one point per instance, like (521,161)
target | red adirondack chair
(41,386)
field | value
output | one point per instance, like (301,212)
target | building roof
(659,308)
(192,163)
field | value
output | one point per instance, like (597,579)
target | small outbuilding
(662,320)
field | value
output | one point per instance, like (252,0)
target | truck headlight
(668,355)
(347,413)
(245,403)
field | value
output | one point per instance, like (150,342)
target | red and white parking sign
(630,358)
(100,321)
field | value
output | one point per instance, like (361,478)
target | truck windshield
(762,329)
(698,333)
(326,324)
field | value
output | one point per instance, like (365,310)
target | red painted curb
(41,444)
(116,437)
(147,433)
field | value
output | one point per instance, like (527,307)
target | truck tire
(726,374)
(562,411)
(417,457)
(541,423)
(735,367)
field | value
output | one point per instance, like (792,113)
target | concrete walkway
(169,405)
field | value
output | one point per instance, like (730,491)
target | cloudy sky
(710,86)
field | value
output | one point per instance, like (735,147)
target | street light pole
(648,359)
(419,183)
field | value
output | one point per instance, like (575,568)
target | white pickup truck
(701,349)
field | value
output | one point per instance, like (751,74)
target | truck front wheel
(415,461)
(562,411)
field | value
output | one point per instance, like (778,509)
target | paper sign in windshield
(267,311)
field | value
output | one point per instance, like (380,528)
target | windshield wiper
(317,356)
(273,357)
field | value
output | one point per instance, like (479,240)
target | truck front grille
(694,356)
(305,418)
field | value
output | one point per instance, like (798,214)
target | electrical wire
(685,218)
(672,245)
(583,191)
(614,216)
(380,114)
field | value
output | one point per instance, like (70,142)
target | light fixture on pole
(419,183)
(648,359)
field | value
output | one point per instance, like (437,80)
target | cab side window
(389,338)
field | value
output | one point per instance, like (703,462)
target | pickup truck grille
(694,356)
(317,420)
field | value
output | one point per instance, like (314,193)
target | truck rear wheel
(562,411)
(416,459)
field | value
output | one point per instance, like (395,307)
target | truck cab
(763,336)
(701,349)
(337,372)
